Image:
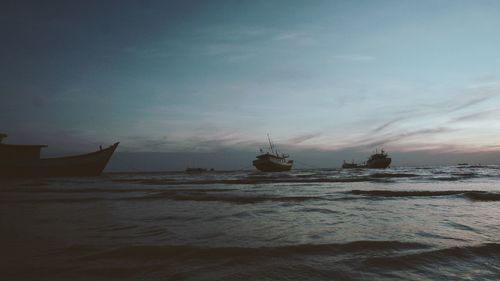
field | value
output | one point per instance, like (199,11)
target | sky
(204,82)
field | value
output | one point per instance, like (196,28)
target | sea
(402,223)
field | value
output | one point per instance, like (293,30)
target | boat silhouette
(272,161)
(197,170)
(24,161)
(376,161)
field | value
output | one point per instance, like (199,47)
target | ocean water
(428,223)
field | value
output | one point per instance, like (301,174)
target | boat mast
(271,146)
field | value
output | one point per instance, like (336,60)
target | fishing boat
(190,170)
(376,161)
(24,161)
(351,165)
(196,170)
(272,161)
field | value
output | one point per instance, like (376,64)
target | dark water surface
(400,223)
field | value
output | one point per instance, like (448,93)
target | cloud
(59,141)
(302,138)
(304,38)
(355,57)
(232,32)
(372,141)
(439,112)
(158,52)
(387,124)
(475,116)
(199,142)
(484,84)
(288,36)
(470,102)
(207,142)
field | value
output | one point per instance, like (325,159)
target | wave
(482,196)
(455,178)
(345,177)
(464,175)
(447,178)
(56,200)
(185,251)
(447,255)
(392,193)
(251,180)
(34,189)
(395,175)
(470,194)
(317,210)
(146,181)
(269,180)
(228,198)
(228,195)
(106,190)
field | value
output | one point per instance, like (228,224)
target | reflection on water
(412,223)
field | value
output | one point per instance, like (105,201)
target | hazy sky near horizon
(184,76)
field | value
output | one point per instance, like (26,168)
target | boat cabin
(15,153)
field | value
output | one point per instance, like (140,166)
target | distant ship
(352,165)
(376,161)
(198,170)
(24,161)
(272,161)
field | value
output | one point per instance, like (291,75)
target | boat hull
(269,166)
(91,164)
(351,166)
(380,163)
